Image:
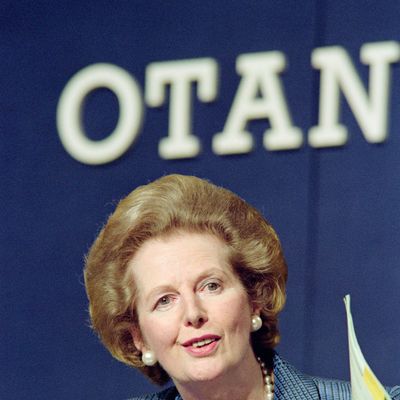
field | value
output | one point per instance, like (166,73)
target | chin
(205,373)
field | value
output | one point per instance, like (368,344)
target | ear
(137,338)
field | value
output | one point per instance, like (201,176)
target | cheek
(236,317)
(158,332)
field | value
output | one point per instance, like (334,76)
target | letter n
(339,74)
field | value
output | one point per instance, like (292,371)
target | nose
(195,312)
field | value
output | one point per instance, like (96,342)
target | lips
(203,346)
(201,341)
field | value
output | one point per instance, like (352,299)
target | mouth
(203,346)
(202,341)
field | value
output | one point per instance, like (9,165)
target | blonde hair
(184,203)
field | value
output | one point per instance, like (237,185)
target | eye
(163,302)
(212,286)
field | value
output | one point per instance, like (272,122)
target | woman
(185,282)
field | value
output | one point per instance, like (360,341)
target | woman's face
(193,310)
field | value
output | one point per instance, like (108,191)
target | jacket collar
(290,384)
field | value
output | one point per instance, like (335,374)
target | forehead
(180,254)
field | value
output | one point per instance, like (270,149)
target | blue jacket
(290,384)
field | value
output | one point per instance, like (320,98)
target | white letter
(69,111)
(180,143)
(259,73)
(370,111)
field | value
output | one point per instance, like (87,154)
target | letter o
(69,111)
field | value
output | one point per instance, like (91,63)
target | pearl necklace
(268,382)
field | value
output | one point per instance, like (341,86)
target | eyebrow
(157,291)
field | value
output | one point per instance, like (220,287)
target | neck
(245,382)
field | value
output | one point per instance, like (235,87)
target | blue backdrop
(336,208)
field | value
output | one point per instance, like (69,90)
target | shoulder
(292,384)
(331,389)
(167,394)
(337,390)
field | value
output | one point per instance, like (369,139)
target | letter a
(259,75)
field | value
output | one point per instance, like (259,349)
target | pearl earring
(149,358)
(256,323)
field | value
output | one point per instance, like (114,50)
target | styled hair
(167,205)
